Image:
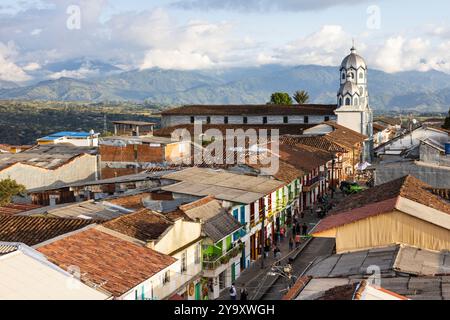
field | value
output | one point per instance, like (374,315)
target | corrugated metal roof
(221,184)
(221,226)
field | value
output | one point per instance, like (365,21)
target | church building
(353,109)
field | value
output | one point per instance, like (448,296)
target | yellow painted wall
(175,151)
(391,228)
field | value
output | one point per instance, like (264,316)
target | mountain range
(412,90)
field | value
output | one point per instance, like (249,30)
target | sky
(392,35)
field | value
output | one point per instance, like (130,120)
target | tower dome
(350,88)
(353,61)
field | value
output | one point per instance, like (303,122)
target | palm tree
(301,96)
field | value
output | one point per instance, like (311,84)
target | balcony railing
(211,262)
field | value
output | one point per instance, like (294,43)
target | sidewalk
(256,280)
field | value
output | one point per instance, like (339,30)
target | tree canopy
(8,189)
(301,96)
(280,98)
(447,122)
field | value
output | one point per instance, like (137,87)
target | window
(361,90)
(348,102)
(184,262)
(252,213)
(208,120)
(197,253)
(225,120)
(340,101)
(166,278)
(306,119)
(361,75)
(327,118)
(285,119)
(343,76)
(192,119)
(245,120)
(264,120)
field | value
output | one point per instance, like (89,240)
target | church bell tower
(353,109)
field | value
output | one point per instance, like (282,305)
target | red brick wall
(145,153)
(107,173)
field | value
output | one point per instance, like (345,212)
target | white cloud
(81,73)
(32,66)
(154,38)
(9,70)
(176,59)
(400,53)
(36,32)
(324,47)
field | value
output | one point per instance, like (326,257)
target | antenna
(353,49)
(105,124)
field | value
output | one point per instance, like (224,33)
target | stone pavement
(257,280)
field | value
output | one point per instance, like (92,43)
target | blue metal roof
(69,134)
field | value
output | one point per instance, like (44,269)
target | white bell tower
(353,109)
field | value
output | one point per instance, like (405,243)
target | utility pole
(263,236)
(332,176)
(105,124)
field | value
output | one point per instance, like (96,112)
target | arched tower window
(343,76)
(347,102)
(361,75)
(340,101)
(361,90)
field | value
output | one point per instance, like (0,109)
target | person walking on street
(304,229)
(282,233)
(233,292)
(291,244)
(297,228)
(277,252)
(244,293)
(297,240)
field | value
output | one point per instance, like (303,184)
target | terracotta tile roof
(298,286)
(264,109)
(144,225)
(320,142)
(340,219)
(344,292)
(113,264)
(382,199)
(283,128)
(304,157)
(132,201)
(389,120)
(408,187)
(196,204)
(286,172)
(345,136)
(34,230)
(15,208)
(378,127)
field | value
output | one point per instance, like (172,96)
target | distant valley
(419,91)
